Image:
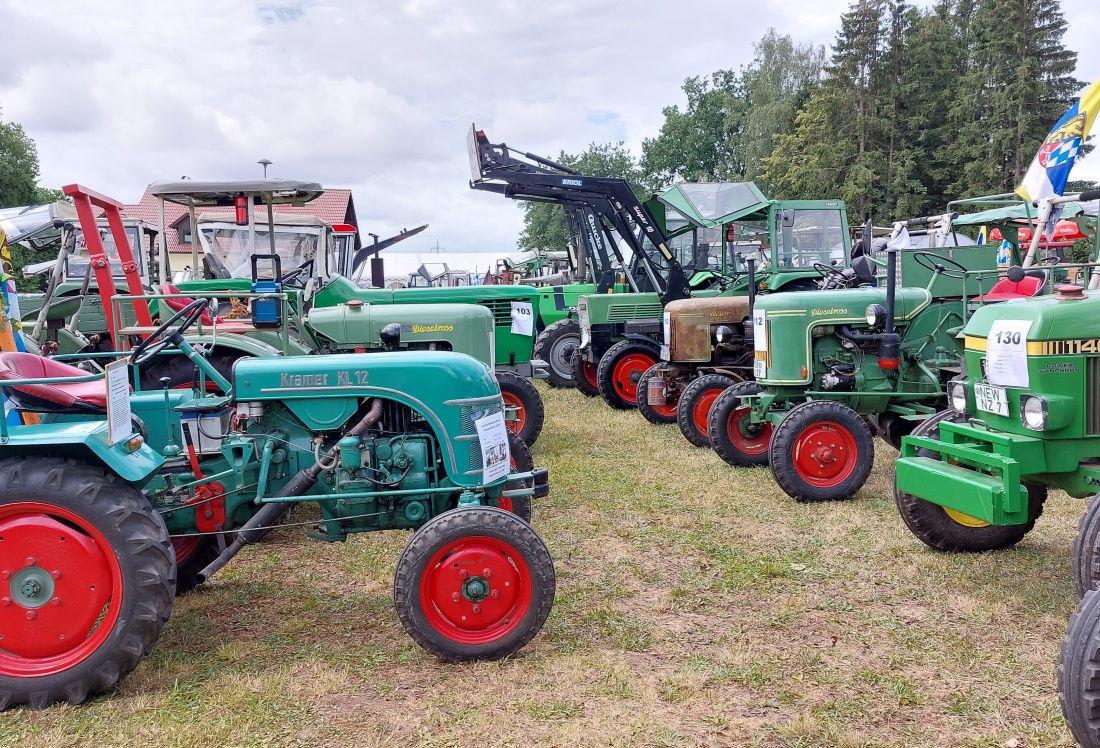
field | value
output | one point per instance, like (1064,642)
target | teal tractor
(100,499)
(828,362)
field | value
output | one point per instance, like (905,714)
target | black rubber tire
(146,565)
(726,407)
(181,372)
(650,413)
(451,527)
(1086,549)
(781,451)
(610,393)
(934,527)
(522,462)
(1079,672)
(555,345)
(685,408)
(524,394)
(580,381)
(188,567)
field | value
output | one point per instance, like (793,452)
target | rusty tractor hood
(689,323)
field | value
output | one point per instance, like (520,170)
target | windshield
(811,235)
(227,251)
(76,266)
(718,199)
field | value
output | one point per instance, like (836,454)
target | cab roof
(266,191)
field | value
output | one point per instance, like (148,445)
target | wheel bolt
(32,561)
(462,574)
(5,574)
(5,601)
(456,597)
(494,594)
(486,573)
(55,574)
(31,615)
(477,609)
(56,601)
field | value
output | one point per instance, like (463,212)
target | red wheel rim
(510,400)
(628,370)
(700,411)
(668,410)
(69,579)
(590,374)
(475,590)
(749,438)
(184,546)
(825,454)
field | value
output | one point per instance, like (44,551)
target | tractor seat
(178,304)
(71,397)
(1024,288)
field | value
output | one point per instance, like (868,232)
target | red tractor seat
(80,397)
(1006,288)
(178,304)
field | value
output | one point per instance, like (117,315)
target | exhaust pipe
(261,522)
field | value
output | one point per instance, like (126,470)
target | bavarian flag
(1049,171)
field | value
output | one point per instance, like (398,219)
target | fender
(248,344)
(644,339)
(85,440)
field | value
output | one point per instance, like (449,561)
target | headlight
(722,334)
(876,315)
(1033,412)
(956,396)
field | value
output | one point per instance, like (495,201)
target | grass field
(696,605)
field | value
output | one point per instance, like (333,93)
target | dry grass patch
(697,605)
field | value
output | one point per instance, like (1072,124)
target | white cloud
(372,95)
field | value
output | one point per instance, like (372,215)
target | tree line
(911,108)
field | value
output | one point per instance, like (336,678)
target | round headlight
(722,333)
(876,315)
(1033,413)
(957,396)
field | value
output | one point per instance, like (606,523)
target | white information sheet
(523,318)
(119,424)
(1006,353)
(666,328)
(759,330)
(496,461)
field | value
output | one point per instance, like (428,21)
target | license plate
(759,368)
(991,399)
(665,354)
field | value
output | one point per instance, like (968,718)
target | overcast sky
(376,96)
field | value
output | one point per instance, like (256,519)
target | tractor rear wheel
(730,431)
(945,529)
(522,462)
(555,345)
(620,370)
(1079,672)
(821,451)
(474,584)
(530,412)
(193,554)
(584,375)
(1086,549)
(87,579)
(655,413)
(693,410)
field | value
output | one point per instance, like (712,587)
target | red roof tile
(333,206)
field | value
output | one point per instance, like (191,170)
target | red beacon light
(241,205)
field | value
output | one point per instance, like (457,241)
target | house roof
(333,206)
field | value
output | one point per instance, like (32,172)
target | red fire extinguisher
(242,210)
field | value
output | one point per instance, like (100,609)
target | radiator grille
(501,309)
(1092,395)
(625,312)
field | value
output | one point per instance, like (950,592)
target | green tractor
(101,500)
(827,362)
(793,245)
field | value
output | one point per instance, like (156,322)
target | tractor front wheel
(474,584)
(584,375)
(620,370)
(1086,549)
(658,414)
(87,579)
(522,395)
(950,531)
(555,345)
(693,410)
(522,462)
(730,430)
(821,451)
(1079,672)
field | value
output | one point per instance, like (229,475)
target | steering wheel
(167,334)
(826,270)
(935,266)
(295,273)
